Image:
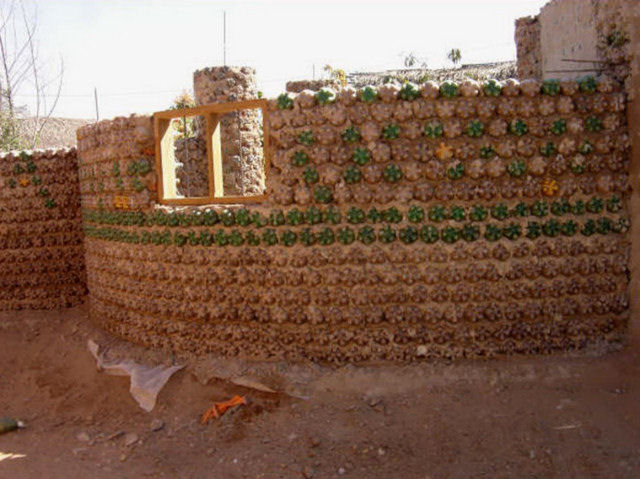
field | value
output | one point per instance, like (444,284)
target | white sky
(140,54)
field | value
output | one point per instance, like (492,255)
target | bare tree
(21,70)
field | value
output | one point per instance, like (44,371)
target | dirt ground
(564,416)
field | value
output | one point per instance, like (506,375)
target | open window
(212,154)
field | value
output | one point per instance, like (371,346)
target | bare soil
(563,416)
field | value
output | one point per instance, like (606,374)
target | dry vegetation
(57,132)
(498,70)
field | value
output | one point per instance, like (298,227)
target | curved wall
(445,221)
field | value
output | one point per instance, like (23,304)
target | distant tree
(184,127)
(337,74)
(10,138)
(455,56)
(184,100)
(411,60)
(21,69)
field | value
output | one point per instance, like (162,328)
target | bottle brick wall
(240,132)
(41,240)
(116,164)
(298,86)
(528,53)
(450,220)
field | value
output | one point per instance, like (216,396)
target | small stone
(130,439)
(377,404)
(123,457)
(381,451)
(374,401)
(115,435)
(83,436)
(156,425)
(421,351)
(341,471)
(307,472)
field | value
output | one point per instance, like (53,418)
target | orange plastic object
(444,152)
(219,408)
(121,202)
(549,187)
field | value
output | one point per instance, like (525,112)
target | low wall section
(528,54)
(41,246)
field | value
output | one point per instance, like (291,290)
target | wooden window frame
(212,114)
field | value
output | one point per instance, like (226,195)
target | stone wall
(41,247)
(527,37)
(435,221)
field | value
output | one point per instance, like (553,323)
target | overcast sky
(140,54)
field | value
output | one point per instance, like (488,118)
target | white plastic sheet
(146,381)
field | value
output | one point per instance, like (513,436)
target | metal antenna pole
(95,96)
(224,38)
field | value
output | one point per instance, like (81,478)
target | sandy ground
(541,417)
